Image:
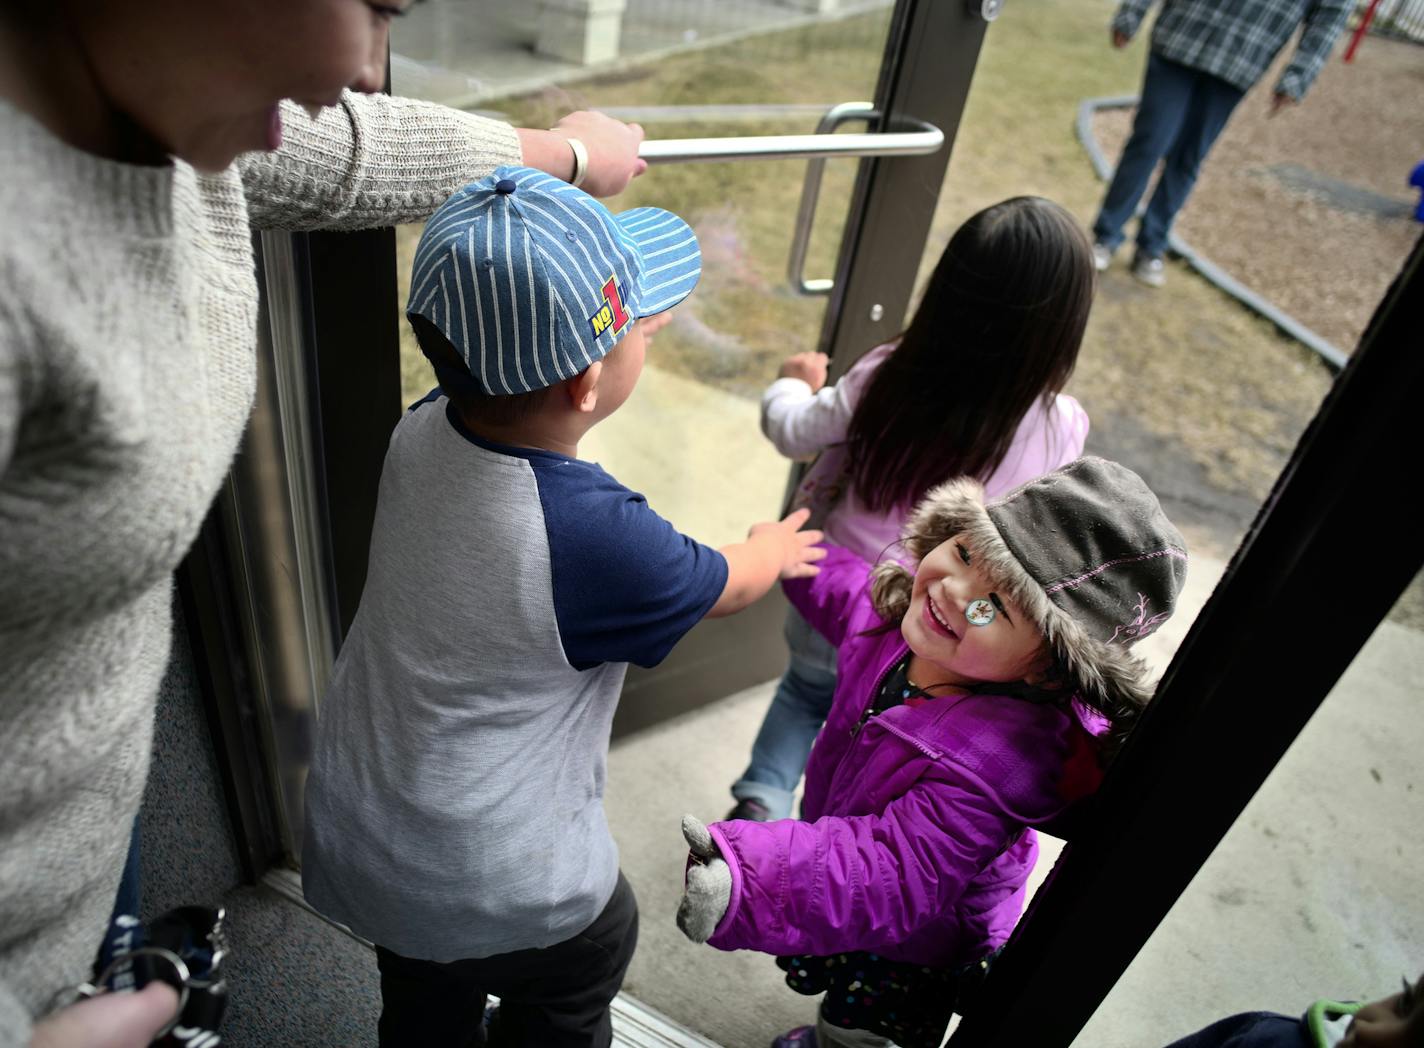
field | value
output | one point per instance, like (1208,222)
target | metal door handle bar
(811,193)
(919,139)
(715,113)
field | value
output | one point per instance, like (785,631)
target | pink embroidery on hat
(1140,626)
(1067,583)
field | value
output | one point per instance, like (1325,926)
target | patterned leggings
(872,1001)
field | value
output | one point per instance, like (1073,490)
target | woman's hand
(612,151)
(810,368)
(111,1020)
(612,148)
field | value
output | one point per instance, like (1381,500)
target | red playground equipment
(1361,29)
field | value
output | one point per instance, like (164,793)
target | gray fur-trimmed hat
(1086,552)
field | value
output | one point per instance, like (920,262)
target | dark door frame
(929,65)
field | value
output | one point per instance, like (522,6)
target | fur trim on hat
(1107,677)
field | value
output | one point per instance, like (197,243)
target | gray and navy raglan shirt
(455,802)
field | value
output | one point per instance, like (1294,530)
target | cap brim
(672,261)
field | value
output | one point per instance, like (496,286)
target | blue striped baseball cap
(532,280)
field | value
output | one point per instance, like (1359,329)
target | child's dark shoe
(750,811)
(801,1037)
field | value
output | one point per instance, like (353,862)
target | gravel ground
(1312,208)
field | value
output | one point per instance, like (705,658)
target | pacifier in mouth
(980,612)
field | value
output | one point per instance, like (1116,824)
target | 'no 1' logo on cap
(611,314)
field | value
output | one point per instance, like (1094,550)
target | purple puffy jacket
(916,842)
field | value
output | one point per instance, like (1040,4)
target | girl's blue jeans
(797,711)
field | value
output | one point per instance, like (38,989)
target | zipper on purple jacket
(865,716)
(869,710)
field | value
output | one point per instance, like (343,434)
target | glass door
(689,438)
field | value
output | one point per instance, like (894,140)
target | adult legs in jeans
(1166,93)
(797,711)
(557,996)
(1208,109)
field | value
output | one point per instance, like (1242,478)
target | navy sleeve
(627,584)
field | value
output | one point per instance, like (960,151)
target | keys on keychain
(184,948)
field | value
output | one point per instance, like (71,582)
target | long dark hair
(998,328)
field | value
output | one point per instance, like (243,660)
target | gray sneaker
(1102,256)
(1150,269)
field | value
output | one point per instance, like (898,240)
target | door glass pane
(1313,892)
(683,71)
(1308,210)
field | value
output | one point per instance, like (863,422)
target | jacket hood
(1086,552)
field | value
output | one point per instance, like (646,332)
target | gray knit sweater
(128,310)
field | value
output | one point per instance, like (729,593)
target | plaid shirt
(1237,40)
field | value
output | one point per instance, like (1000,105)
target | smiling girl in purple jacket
(978,697)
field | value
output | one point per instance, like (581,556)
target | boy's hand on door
(797,549)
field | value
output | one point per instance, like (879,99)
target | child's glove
(709,884)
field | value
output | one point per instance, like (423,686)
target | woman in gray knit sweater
(139,144)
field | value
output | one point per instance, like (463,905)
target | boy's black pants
(555,997)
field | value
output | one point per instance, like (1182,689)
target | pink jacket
(802,424)
(916,842)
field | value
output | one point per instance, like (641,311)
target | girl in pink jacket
(977,697)
(972,388)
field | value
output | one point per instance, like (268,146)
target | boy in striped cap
(454,809)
